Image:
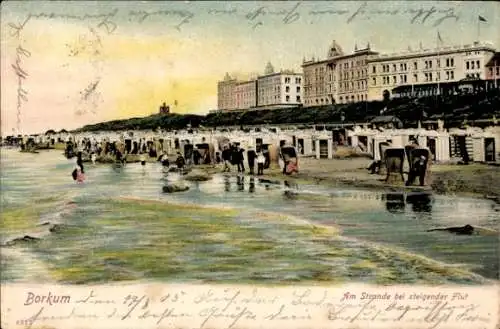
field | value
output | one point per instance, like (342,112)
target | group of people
(233,155)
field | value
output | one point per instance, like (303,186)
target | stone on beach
(24,239)
(198,176)
(172,188)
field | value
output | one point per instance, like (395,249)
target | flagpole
(478,30)
(438,66)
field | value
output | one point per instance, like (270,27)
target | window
(467,65)
(415,65)
(394,79)
(472,65)
(415,78)
(430,64)
(297,80)
(298,99)
(447,75)
(430,76)
(405,78)
(447,62)
(438,63)
(426,65)
(401,67)
(477,64)
(374,69)
(394,67)
(452,75)
(287,89)
(452,62)
(298,89)
(438,76)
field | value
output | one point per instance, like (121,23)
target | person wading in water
(78,172)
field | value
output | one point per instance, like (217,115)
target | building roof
(494,61)
(431,52)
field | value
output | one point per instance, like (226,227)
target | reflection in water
(420,202)
(395,202)
(240,181)
(288,193)
(251,189)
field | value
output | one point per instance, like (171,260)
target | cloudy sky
(66,64)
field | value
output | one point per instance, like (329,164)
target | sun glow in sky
(67,64)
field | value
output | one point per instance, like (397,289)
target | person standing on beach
(180,162)
(226,157)
(251,160)
(261,159)
(241,160)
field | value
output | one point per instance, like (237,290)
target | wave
(381,250)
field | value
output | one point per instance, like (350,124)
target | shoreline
(474,180)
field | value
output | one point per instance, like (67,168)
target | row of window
(277,89)
(297,99)
(473,75)
(469,65)
(297,80)
(428,77)
(346,99)
(347,75)
(450,62)
(497,72)
(352,64)
(346,86)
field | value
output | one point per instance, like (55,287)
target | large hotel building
(339,78)
(366,75)
(271,90)
(429,71)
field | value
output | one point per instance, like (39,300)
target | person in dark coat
(79,161)
(241,159)
(180,161)
(226,157)
(251,155)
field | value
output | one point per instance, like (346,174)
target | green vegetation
(454,109)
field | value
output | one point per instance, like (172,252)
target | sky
(67,64)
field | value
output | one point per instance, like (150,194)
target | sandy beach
(478,180)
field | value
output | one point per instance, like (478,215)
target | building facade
(245,94)
(279,89)
(353,76)
(271,90)
(340,78)
(493,71)
(427,71)
(225,92)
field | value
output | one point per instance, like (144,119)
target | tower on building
(164,108)
(269,68)
(335,50)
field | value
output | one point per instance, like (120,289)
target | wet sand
(478,180)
